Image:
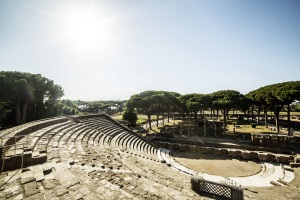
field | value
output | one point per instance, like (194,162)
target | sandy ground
(217,165)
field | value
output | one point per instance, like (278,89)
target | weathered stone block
(48,184)
(238,154)
(176,146)
(246,155)
(262,157)
(198,148)
(283,159)
(231,153)
(272,158)
(294,165)
(27,180)
(224,152)
(193,148)
(61,191)
(30,188)
(217,151)
(253,155)
(204,149)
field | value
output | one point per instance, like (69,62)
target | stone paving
(140,178)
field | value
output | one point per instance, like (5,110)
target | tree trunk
(157,116)
(168,116)
(248,115)
(276,111)
(149,121)
(18,112)
(163,119)
(211,113)
(266,117)
(224,120)
(252,115)
(277,120)
(24,112)
(195,122)
(289,120)
(217,113)
(258,115)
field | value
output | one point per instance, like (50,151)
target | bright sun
(84,30)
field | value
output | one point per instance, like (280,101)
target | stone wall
(271,140)
(233,153)
(219,145)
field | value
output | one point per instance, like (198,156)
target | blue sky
(101,50)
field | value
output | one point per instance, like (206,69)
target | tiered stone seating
(91,158)
(113,132)
(19,143)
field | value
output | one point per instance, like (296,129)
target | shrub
(253,125)
(130,116)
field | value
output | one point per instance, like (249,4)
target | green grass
(141,118)
(249,129)
(117,117)
(170,125)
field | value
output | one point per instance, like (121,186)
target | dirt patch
(217,165)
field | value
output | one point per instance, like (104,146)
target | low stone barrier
(238,154)
(224,152)
(209,150)
(233,153)
(198,149)
(193,148)
(272,157)
(246,155)
(253,156)
(284,159)
(175,146)
(262,157)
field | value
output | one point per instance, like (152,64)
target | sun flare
(84,29)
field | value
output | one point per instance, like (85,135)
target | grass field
(141,118)
(249,129)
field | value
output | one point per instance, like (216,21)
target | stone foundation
(233,153)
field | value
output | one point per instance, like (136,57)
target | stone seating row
(106,121)
(43,143)
(79,140)
(115,135)
(31,126)
(26,143)
(30,149)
